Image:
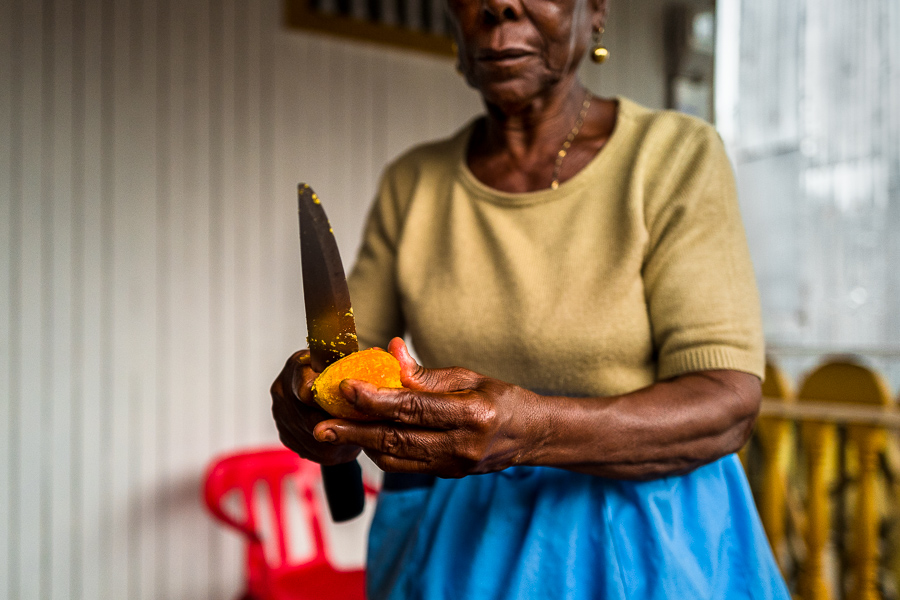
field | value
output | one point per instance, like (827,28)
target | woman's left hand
(446,422)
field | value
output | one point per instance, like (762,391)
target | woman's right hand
(296,414)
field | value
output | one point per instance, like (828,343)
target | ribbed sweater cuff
(708,358)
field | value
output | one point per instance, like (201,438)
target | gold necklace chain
(554,183)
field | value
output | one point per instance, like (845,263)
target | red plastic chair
(271,575)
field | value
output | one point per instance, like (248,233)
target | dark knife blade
(331,329)
(331,332)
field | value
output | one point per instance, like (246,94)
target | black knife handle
(344,490)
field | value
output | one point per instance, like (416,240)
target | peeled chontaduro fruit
(374,365)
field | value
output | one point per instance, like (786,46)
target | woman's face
(515,50)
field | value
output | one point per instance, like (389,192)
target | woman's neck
(523,131)
(515,149)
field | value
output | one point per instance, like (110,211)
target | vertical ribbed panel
(8,330)
(11,82)
(149,271)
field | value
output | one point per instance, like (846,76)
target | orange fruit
(373,365)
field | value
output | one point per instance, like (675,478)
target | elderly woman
(582,260)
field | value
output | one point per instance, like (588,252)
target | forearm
(454,422)
(668,428)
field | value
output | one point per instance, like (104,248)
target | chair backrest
(843,380)
(247,473)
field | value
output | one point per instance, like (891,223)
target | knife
(331,333)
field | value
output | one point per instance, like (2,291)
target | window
(808,102)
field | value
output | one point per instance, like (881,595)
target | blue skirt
(532,533)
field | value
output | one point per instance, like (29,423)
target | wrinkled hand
(296,414)
(447,422)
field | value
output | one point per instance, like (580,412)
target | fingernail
(348,391)
(327,436)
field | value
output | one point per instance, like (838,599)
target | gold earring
(599,53)
(455,49)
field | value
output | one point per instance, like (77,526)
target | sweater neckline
(581,179)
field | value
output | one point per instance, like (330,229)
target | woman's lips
(502,55)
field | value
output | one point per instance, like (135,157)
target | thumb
(415,377)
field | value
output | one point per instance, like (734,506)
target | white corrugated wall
(150,275)
(149,272)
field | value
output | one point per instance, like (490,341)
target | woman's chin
(512,94)
(512,89)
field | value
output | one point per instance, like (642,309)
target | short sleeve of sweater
(698,277)
(373,279)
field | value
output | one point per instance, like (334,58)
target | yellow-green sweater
(634,270)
